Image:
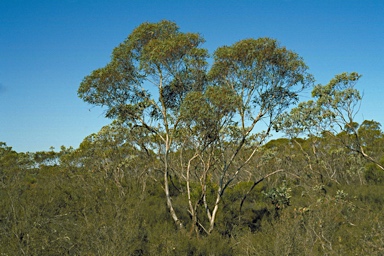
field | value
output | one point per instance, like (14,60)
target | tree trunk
(167,195)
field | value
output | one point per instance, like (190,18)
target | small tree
(333,112)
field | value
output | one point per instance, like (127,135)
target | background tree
(333,112)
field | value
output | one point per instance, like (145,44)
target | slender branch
(188,185)
(254,185)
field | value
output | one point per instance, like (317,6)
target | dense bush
(80,202)
(51,211)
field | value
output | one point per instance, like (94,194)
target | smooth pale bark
(168,197)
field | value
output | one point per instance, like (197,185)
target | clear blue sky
(47,47)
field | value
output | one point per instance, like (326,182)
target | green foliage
(266,77)
(280,197)
(154,52)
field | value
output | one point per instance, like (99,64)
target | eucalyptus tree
(250,82)
(146,81)
(333,111)
(259,79)
(158,81)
